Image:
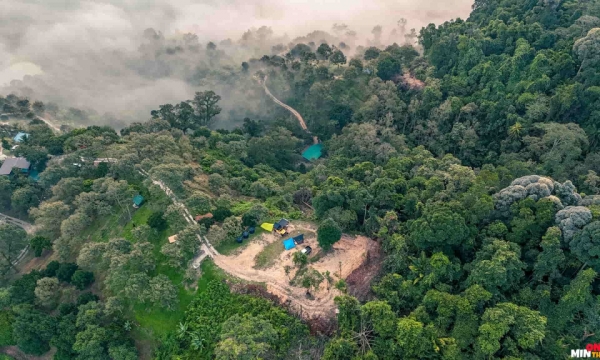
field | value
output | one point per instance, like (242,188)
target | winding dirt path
(52,126)
(288,108)
(320,306)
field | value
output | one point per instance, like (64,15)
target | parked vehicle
(307,250)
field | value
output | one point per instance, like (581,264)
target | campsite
(346,256)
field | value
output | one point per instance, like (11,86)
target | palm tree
(515,130)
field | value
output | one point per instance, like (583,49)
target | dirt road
(278,284)
(52,126)
(29,228)
(288,108)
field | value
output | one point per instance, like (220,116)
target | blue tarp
(289,244)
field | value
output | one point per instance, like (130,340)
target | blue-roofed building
(20,137)
(138,200)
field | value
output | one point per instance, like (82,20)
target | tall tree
(205,106)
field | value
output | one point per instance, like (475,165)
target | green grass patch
(241,207)
(106,228)
(140,217)
(210,272)
(155,323)
(266,258)
(230,247)
(6,333)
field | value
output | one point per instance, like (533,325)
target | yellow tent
(267,226)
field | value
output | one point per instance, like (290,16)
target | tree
(254,216)
(324,51)
(198,203)
(339,349)
(5,192)
(338,58)
(510,324)
(66,271)
(47,291)
(162,292)
(245,337)
(205,106)
(38,107)
(24,198)
(39,244)
(82,279)
(12,240)
(300,259)
(371,53)
(328,234)
(585,245)
(32,331)
(551,258)
(438,228)
(49,216)
(123,352)
(588,49)
(388,68)
(157,221)
(67,189)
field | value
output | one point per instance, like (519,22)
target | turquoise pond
(313,152)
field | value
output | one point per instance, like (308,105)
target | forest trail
(296,297)
(29,228)
(52,126)
(289,108)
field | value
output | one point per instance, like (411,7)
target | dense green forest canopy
(473,161)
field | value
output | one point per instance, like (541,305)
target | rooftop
(20,137)
(138,200)
(10,163)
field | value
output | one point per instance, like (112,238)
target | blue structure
(20,137)
(251,230)
(239,239)
(313,152)
(138,200)
(245,235)
(34,175)
(289,244)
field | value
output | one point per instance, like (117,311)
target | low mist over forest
(338,181)
(101,56)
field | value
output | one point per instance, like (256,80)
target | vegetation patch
(269,255)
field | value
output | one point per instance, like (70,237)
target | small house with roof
(138,200)
(19,164)
(20,137)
